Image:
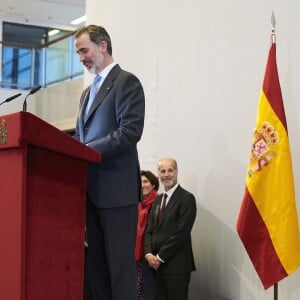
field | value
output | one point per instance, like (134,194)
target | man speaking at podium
(110,120)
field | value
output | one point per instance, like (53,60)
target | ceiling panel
(48,13)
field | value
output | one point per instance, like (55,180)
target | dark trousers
(145,281)
(86,288)
(110,260)
(172,286)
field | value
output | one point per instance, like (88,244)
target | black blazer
(171,239)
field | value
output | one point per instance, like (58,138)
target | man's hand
(153,262)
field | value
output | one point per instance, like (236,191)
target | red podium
(42,210)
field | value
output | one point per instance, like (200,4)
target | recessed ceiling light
(53,32)
(78,20)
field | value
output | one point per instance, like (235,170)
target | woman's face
(146,186)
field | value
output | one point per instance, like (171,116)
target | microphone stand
(30,93)
(25,103)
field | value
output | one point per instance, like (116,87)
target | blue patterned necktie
(93,92)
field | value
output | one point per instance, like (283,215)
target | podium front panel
(55,223)
(42,210)
(11,223)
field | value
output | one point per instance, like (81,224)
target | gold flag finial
(273,23)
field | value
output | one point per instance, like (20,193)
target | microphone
(34,90)
(11,98)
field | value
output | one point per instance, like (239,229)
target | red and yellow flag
(267,223)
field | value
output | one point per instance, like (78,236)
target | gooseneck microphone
(34,90)
(11,98)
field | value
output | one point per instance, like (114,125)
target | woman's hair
(152,178)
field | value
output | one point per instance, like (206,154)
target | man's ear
(103,46)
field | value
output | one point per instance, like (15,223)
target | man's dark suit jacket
(113,127)
(171,239)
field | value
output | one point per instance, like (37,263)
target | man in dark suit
(168,245)
(112,123)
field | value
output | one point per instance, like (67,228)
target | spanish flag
(267,223)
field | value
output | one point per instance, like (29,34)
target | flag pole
(276,291)
(273,40)
(273,23)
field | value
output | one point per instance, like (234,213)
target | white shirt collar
(106,70)
(171,191)
(103,74)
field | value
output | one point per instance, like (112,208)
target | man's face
(90,54)
(167,173)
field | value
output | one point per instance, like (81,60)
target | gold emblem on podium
(3,132)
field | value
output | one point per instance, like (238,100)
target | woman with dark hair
(150,185)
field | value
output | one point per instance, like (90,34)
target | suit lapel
(83,102)
(157,209)
(103,91)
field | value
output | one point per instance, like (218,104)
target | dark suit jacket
(171,239)
(113,127)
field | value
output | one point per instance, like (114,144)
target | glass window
(28,61)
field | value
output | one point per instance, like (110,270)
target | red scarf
(144,208)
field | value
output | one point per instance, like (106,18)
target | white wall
(16,104)
(57,104)
(202,65)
